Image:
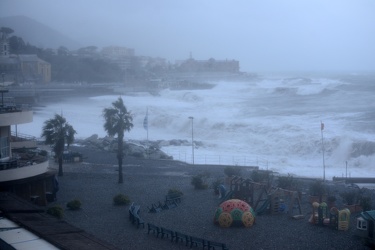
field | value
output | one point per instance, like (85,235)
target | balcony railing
(17,137)
(8,105)
(24,159)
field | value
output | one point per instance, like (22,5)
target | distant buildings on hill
(210,65)
(126,59)
(30,68)
(22,68)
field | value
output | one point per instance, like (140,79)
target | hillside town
(17,65)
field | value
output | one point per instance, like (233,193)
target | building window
(4,147)
(361,224)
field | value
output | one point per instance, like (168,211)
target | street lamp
(192,136)
(2,90)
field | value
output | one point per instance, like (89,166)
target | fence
(22,137)
(212,159)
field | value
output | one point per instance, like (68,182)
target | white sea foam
(272,122)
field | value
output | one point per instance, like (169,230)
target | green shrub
(43,153)
(138,155)
(56,211)
(349,197)
(74,204)
(216,183)
(175,192)
(121,199)
(288,182)
(331,198)
(317,188)
(232,171)
(365,203)
(76,154)
(198,181)
(261,175)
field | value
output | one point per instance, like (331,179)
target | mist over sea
(270,121)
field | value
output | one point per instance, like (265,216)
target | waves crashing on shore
(273,122)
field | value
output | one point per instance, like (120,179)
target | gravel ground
(94,183)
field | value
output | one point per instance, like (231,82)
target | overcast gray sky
(264,35)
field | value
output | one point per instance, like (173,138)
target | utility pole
(324,166)
(346,175)
(192,137)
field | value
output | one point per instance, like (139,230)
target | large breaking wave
(273,122)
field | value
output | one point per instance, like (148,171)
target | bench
(167,232)
(134,215)
(216,245)
(189,240)
(155,208)
(180,237)
(176,198)
(155,229)
(195,241)
(170,204)
(167,205)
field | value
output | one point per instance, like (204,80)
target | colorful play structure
(334,218)
(234,212)
(263,197)
(366,226)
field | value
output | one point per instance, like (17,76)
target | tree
(17,45)
(62,51)
(57,132)
(117,120)
(5,32)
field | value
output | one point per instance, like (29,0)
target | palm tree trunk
(119,158)
(60,160)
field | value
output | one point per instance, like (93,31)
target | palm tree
(57,132)
(117,120)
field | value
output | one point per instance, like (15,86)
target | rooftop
(41,228)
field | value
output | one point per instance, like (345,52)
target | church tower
(4,44)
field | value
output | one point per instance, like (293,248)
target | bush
(175,192)
(43,153)
(216,183)
(288,182)
(365,203)
(138,155)
(232,171)
(74,204)
(349,197)
(317,188)
(331,198)
(121,199)
(56,211)
(198,182)
(261,176)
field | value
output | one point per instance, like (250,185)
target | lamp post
(192,137)
(324,165)
(2,90)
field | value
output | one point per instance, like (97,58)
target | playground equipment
(264,198)
(234,212)
(336,219)
(285,201)
(365,226)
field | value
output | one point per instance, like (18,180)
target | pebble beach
(95,182)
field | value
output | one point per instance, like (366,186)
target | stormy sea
(307,125)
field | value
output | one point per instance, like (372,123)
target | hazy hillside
(37,33)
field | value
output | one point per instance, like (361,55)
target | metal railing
(8,105)
(16,162)
(220,159)
(21,137)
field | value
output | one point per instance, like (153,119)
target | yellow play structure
(336,219)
